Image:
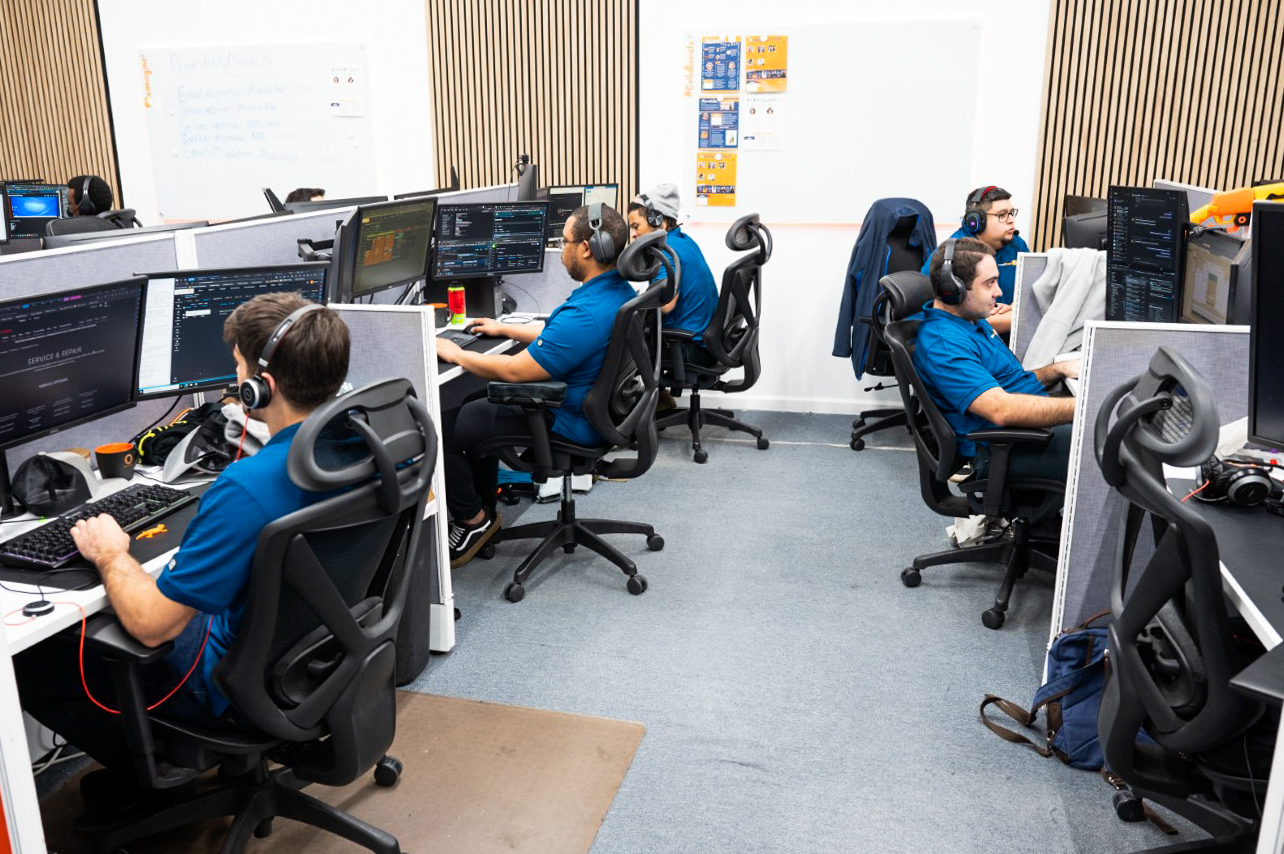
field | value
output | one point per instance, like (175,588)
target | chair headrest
(748,232)
(906,292)
(640,260)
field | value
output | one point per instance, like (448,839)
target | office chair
(901,256)
(274,202)
(620,405)
(1174,647)
(310,674)
(122,218)
(78,225)
(1025,501)
(731,339)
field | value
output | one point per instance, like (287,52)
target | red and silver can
(458,305)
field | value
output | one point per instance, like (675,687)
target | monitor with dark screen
(67,358)
(383,246)
(31,207)
(1215,271)
(1085,231)
(562,202)
(489,239)
(1266,343)
(181,347)
(1147,253)
(1075,205)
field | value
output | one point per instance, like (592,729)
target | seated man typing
(975,380)
(570,347)
(199,599)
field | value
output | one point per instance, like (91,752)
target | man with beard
(570,348)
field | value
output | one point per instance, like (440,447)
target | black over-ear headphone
(949,288)
(654,218)
(255,392)
(974,217)
(600,243)
(1243,484)
(86,206)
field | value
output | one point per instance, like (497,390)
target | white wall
(397,54)
(805,276)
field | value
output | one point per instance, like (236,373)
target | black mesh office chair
(1025,501)
(1174,647)
(122,218)
(78,225)
(620,406)
(731,340)
(310,673)
(901,257)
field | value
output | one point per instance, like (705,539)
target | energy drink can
(458,305)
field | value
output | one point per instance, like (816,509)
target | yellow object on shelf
(1233,208)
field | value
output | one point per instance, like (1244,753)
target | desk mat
(479,777)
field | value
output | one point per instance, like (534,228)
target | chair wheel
(458,614)
(702,456)
(993,618)
(263,829)
(387,771)
(637,585)
(655,542)
(911,577)
(763,444)
(487,551)
(569,548)
(514,592)
(858,444)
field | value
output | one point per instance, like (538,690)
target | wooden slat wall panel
(54,122)
(556,79)
(1134,90)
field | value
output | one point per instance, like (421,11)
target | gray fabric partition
(542,292)
(498,193)
(265,241)
(1030,267)
(1115,353)
(387,342)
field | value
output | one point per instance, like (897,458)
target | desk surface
(447,371)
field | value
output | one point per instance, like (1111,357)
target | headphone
(949,287)
(255,392)
(86,206)
(1243,484)
(600,243)
(654,218)
(973,217)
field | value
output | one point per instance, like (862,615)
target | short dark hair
(311,362)
(637,207)
(304,194)
(968,252)
(99,192)
(989,197)
(612,224)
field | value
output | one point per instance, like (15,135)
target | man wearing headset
(199,599)
(88,195)
(974,378)
(990,217)
(570,348)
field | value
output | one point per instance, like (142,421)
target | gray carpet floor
(797,697)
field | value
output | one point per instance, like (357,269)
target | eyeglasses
(1006,216)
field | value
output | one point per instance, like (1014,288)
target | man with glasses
(990,218)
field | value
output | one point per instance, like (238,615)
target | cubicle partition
(264,241)
(497,193)
(1026,312)
(540,293)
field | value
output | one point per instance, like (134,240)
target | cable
(505,283)
(244,427)
(146,429)
(1196,491)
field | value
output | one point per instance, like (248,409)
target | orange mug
(116,460)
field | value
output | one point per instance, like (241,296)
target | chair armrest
(1033,436)
(1002,440)
(545,395)
(678,335)
(105,632)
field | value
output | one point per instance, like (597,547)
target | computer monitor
(1266,344)
(1085,230)
(181,348)
(1216,270)
(67,358)
(327,204)
(62,241)
(1147,253)
(562,202)
(528,183)
(419,194)
(383,246)
(4,216)
(1076,205)
(489,239)
(30,207)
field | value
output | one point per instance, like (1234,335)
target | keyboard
(459,336)
(50,546)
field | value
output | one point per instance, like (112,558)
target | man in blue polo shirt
(990,218)
(199,599)
(570,347)
(975,380)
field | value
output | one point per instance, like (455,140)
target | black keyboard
(50,546)
(459,336)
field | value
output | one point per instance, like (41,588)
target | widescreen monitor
(62,241)
(1075,205)
(67,358)
(1147,253)
(181,348)
(1085,230)
(30,207)
(383,246)
(1266,343)
(562,202)
(489,239)
(1216,268)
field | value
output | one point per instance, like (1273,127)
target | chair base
(884,418)
(253,806)
(696,417)
(567,532)
(1019,555)
(1231,833)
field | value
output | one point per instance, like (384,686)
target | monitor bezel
(140,283)
(139,394)
(432,263)
(1255,435)
(4,220)
(345,255)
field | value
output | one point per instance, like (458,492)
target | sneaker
(467,540)
(962,474)
(666,402)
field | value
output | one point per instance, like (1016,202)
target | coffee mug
(440,314)
(116,460)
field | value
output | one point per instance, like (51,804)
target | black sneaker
(467,540)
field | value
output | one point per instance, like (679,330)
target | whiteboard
(872,109)
(225,121)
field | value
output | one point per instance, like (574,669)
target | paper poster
(719,122)
(762,122)
(716,178)
(345,93)
(720,64)
(766,60)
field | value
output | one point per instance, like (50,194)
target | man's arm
(523,332)
(143,610)
(1052,374)
(501,367)
(1022,410)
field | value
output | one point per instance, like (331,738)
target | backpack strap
(1019,715)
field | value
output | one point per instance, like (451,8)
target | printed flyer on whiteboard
(720,64)
(719,123)
(766,63)
(762,125)
(716,179)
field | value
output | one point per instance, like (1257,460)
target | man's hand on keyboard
(100,538)
(447,350)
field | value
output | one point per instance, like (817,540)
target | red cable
(1196,491)
(244,427)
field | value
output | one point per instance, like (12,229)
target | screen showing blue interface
(182,347)
(32,206)
(489,239)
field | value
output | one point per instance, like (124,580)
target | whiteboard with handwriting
(225,121)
